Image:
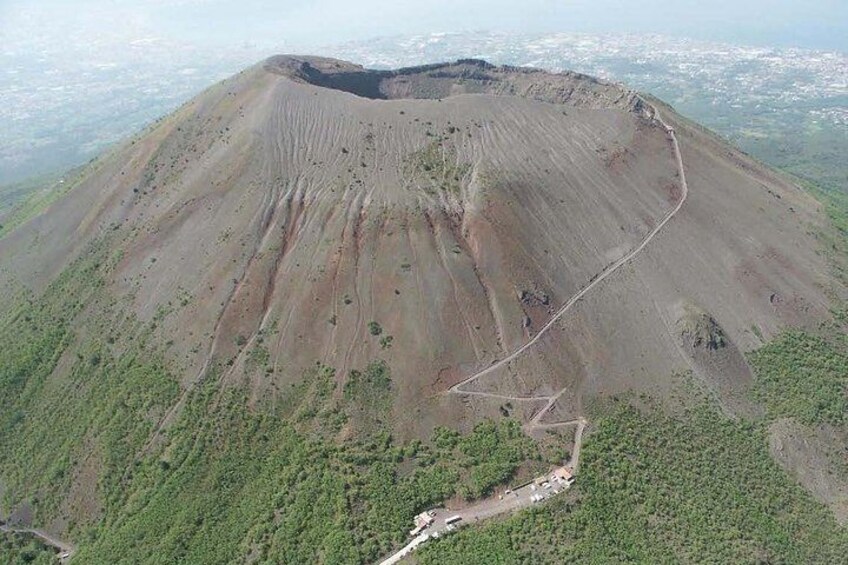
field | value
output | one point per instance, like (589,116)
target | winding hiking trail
(510,500)
(519,499)
(535,422)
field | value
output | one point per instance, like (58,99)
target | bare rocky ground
(458,206)
(817,458)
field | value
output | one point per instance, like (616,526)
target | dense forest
(655,487)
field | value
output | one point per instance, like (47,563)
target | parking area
(442,521)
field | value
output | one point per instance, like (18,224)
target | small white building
(563,475)
(423,520)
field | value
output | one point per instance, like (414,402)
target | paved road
(516,500)
(63,547)
(521,497)
(501,504)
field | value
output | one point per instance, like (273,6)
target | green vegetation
(368,396)
(656,488)
(374,380)
(238,483)
(105,406)
(23,201)
(259,358)
(225,483)
(437,168)
(803,376)
(833,241)
(815,153)
(374,328)
(23,549)
(490,454)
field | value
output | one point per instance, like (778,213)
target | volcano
(437,218)
(434,246)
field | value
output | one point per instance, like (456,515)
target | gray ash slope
(456,205)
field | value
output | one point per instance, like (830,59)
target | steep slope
(275,203)
(308,219)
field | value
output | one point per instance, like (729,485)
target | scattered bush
(802,376)
(656,488)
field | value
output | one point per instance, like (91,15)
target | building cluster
(422,522)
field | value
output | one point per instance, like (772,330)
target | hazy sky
(297,25)
(78,75)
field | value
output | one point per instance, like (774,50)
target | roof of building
(563,473)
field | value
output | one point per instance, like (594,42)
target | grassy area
(803,376)
(657,488)
(274,484)
(23,201)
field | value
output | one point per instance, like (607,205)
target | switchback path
(520,498)
(508,501)
(609,270)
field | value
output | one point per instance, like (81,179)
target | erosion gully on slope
(535,422)
(490,508)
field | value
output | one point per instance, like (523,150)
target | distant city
(786,106)
(62,107)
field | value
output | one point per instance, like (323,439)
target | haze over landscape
(423,296)
(78,80)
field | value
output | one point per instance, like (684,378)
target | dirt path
(62,546)
(574,463)
(609,270)
(508,501)
(521,497)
